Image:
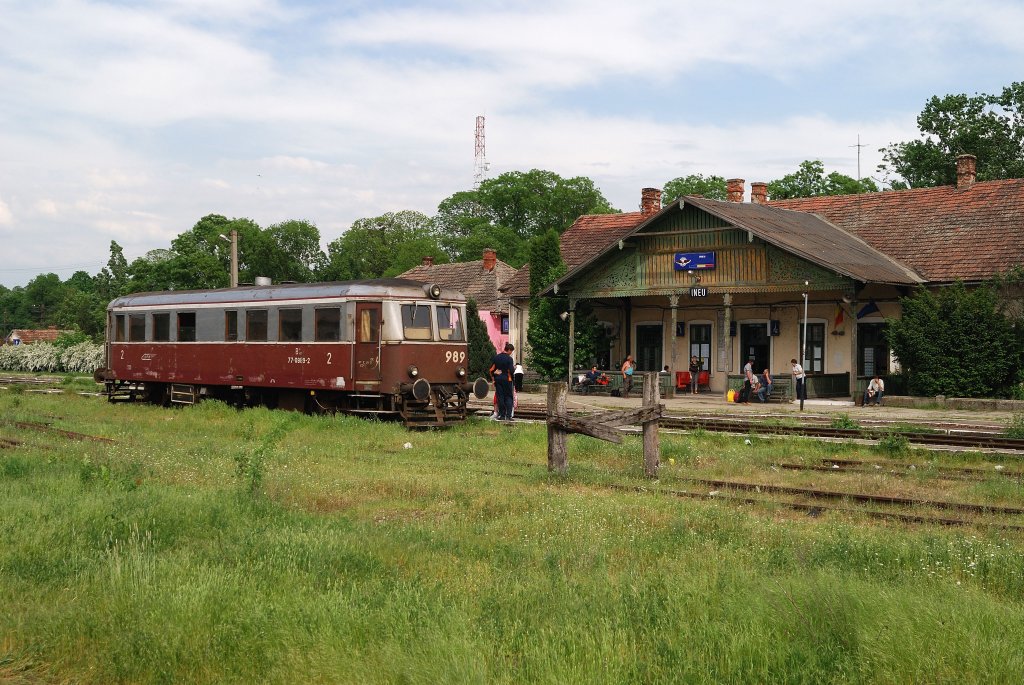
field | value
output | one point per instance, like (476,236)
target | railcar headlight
(413,371)
(460,372)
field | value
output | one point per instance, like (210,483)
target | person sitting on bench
(765,390)
(591,378)
(875,390)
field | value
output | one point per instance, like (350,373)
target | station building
(812,278)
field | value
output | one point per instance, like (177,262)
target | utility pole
(858,146)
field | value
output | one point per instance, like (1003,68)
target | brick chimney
(759,192)
(966,171)
(650,201)
(490,259)
(428,260)
(734,189)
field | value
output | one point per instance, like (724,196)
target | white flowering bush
(84,357)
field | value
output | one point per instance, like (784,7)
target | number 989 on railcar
(386,348)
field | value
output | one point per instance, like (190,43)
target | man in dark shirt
(502,368)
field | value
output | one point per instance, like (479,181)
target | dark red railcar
(388,347)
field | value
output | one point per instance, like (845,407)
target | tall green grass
(215,546)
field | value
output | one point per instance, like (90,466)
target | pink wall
(493,323)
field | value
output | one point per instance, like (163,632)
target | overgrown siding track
(946,438)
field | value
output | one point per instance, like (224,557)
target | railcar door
(366,358)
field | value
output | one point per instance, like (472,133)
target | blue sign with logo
(690,261)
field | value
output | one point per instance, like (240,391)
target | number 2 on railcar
(385,348)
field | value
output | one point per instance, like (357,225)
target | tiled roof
(29,336)
(518,285)
(581,242)
(813,238)
(591,233)
(470,278)
(943,233)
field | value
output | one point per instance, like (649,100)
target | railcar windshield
(449,323)
(416,321)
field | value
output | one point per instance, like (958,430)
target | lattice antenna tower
(480,165)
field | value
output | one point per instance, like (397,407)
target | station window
(161,327)
(231,325)
(120,332)
(289,325)
(256,325)
(449,323)
(136,327)
(416,321)
(187,327)
(814,355)
(327,325)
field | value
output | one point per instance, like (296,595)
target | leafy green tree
(957,342)
(810,180)
(545,261)
(293,251)
(13,309)
(481,349)
(368,248)
(43,295)
(991,127)
(81,311)
(112,280)
(711,187)
(507,211)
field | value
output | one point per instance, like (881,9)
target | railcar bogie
(385,348)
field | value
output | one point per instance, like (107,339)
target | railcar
(389,348)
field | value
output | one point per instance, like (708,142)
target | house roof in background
(27,336)
(943,233)
(470,278)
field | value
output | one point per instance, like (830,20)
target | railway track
(959,438)
(904,509)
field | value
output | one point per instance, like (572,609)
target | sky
(129,120)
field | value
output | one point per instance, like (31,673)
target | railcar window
(416,321)
(256,325)
(328,325)
(161,327)
(231,325)
(369,328)
(137,327)
(449,323)
(119,328)
(289,325)
(187,327)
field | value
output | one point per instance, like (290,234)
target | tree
(810,180)
(43,294)
(958,342)
(368,248)
(112,280)
(991,127)
(292,251)
(711,187)
(481,350)
(507,211)
(545,261)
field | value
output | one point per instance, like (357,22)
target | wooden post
(558,457)
(652,454)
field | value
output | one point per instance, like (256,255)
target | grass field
(206,545)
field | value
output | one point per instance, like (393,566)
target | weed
(893,444)
(1016,427)
(843,421)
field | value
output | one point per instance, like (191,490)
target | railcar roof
(387,288)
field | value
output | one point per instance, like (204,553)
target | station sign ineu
(690,261)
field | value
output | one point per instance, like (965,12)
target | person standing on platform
(502,370)
(799,380)
(748,381)
(628,367)
(517,377)
(694,374)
